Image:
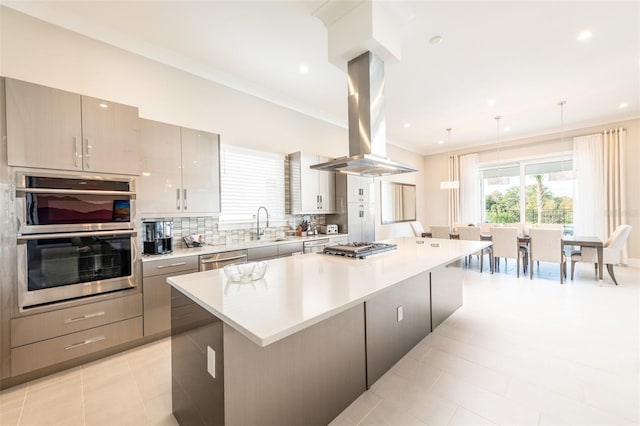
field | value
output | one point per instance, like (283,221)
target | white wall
(435,170)
(42,53)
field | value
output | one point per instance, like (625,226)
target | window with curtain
(535,191)
(250,179)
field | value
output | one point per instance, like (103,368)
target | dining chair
(418,230)
(440,231)
(611,250)
(506,244)
(485,228)
(546,246)
(472,233)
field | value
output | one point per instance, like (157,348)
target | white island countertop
(299,291)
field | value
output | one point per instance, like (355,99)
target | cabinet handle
(84,317)
(86,342)
(178,199)
(173,264)
(184,198)
(88,157)
(75,150)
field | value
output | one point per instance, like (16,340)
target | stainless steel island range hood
(367,131)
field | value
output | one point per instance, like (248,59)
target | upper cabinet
(311,191)
(51,128)
(180,170)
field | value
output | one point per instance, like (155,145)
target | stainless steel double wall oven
(76,237)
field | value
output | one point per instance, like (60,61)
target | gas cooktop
(359,250)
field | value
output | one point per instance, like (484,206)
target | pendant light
(449,184)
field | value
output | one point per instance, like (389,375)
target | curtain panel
(599,204)
(470,203)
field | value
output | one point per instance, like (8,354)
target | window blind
(250,179)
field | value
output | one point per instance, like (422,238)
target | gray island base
(327,330)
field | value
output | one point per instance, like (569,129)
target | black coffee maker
(158,236)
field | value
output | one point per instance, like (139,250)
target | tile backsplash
(208,227)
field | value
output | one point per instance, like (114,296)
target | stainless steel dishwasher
(218,260)
(315,246)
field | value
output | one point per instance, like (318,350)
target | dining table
(586,241)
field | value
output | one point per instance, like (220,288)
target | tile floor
(518,352)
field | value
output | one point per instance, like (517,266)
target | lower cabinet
(274,251)
(157,293)
(49,338)
(396,321)
(446,292)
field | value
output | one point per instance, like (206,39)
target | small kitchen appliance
(328,229)
(158,236)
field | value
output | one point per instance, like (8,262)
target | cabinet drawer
(49,352)
(47,325)
(170,266)
(338,240)
(290,248)
(258,253)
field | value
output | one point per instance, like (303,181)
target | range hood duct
(367,131)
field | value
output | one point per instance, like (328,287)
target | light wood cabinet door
(111,137)
(43,126)
(160,189)
(200,171)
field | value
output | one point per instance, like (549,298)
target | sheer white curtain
(470,204)
(588,202)
(599,204)
(615,202)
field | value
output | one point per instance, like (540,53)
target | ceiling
(514,59)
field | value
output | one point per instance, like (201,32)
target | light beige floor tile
(464,417)
(359,409)
(390,414)
(153,380)
(559,406)
(431,409)
(56,403)
(491,406)
(11,403)
(470,372)
(159,410)
(418,373)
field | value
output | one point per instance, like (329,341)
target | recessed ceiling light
(584,35)
(436,39)
(303,69)
(103,105)
(623,105)
(507,129)
(407,125)
(440,142)
(491,102)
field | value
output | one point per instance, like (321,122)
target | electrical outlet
(400,313)
(211,361)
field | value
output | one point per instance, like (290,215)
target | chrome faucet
(258,233)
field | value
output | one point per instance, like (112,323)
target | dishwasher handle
(205,260)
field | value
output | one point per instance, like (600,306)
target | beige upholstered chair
(546,246)
(472,233)
(418,230)
(440,232)
(485,228)
(610,252)
(505,244)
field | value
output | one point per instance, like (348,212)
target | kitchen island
(299,345)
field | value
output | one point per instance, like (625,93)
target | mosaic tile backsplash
(208,227)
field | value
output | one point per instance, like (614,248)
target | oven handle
(32,237)
(73,191)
